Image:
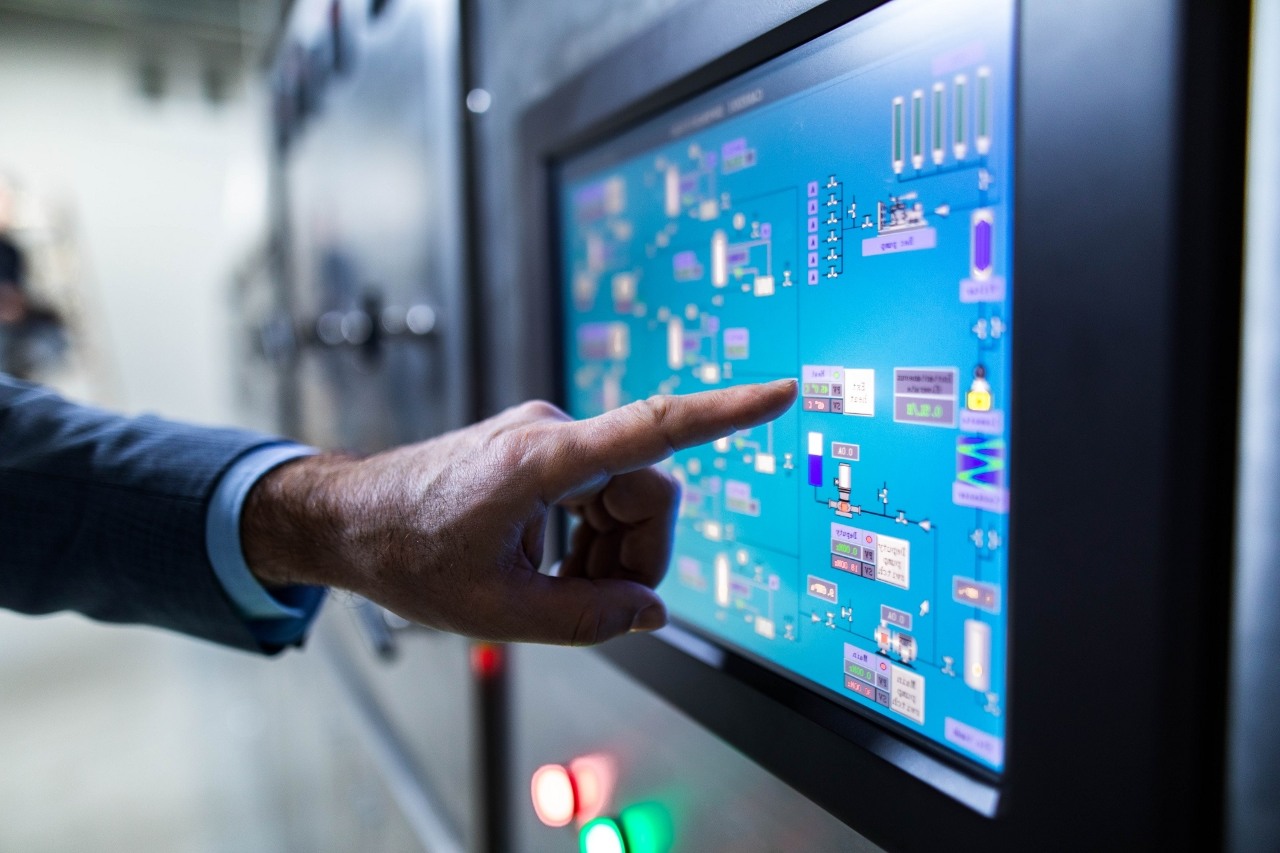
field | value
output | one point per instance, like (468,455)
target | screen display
(842,215)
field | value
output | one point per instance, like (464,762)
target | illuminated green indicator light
(845,548)
(648,828)
(602,835)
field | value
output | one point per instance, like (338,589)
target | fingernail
(789,384)
(651,618)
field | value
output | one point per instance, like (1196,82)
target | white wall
(168,195)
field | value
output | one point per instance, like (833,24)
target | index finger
(648,431)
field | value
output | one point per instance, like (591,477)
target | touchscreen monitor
(841,214)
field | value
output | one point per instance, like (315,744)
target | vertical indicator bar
(939,124)
(719,259)
(982,121)
(815,459)
(611,392)
(672,191)
(899,157)
(722,579)
(917,129)
(977,655)
(675,343)
(959,126)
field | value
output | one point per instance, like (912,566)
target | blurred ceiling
(245,26)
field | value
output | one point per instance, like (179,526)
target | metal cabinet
(370,199)
(368,340)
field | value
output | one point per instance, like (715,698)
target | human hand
(449,532)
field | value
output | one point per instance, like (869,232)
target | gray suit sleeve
(105,515)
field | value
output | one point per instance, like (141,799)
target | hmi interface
(841,215)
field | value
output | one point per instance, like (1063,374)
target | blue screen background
(779,226)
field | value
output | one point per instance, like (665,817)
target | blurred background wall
(145,136)
(133,134)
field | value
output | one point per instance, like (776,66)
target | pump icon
(844,487)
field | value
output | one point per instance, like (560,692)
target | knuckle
(658,409)
(537,447)
(509,415)
(541,410)
(659,415)
(515,448)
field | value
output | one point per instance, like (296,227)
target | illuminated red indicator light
(555,797)
(486,659)
(594,778)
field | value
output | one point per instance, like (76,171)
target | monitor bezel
(1176,325)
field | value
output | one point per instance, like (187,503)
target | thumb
(584,611)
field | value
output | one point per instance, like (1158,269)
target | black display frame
(1127,254)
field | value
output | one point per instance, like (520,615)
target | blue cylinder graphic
(815,459)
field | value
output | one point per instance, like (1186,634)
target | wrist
(292,525)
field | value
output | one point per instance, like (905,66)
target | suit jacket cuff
(276,617)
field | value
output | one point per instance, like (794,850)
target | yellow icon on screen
(979,397)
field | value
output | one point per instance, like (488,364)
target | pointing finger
(648,431)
